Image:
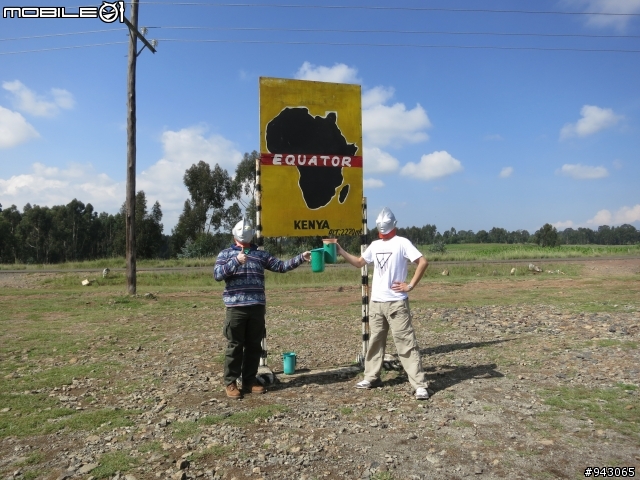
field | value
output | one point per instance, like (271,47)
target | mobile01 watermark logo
(108,12)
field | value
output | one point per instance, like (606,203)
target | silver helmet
(386,221)
(243,232)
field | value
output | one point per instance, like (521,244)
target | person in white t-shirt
(389,307)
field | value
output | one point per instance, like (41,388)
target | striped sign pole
(260,242)
(365,284)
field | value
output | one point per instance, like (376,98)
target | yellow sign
(310,158)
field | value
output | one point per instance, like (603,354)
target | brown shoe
(254,388)
(233,392)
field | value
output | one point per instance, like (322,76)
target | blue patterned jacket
(245,283)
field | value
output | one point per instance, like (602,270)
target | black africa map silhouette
(295,131)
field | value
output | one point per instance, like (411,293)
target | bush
(438,247)
(205,245)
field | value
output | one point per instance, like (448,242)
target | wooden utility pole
(130,219)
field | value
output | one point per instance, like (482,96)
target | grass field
(459,252)
(338,275)
(60,340)
(493,251)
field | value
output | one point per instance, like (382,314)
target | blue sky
(536,129)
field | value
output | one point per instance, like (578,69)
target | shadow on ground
(439,378)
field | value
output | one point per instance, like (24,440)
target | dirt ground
(526,390)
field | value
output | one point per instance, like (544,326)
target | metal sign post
(365,287)
(265,374)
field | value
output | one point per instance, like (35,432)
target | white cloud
(373,183)
(379,161)
(617,164)
(339,73)
(28,101)
(593,120)
(63,98)
(628,215)
(494,138)
(163,180)
(603,217)
(50,186)
(376,96)
(506,172)
(14,129)
(384,125)
(381,124)
(562,225)
(607,6)
(622,216)
(583,172)
(432,166)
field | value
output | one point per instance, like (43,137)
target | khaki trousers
(397,316)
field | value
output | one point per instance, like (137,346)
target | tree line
(76,232)
(217,200)
(546,236)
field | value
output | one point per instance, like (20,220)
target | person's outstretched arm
(279,266)
(352,259)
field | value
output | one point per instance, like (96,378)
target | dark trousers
(244,328)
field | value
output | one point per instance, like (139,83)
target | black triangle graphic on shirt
(382,259)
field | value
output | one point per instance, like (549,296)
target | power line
(352,44)
(345,44)
(370,7)
(424,32)
(62,34)
(410,45)
(63,48)
(334,30)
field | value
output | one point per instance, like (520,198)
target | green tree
(71,230)
(245,183)
(498,235)
(627,234)
(466,236)
(148,228)
(149,240)
(6,241)
(518,236)
(208,210)
(606,235)
(36,233)
(547,236)
(107,229)
(10,246)
(482,236)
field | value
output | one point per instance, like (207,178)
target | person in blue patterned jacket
(242,268)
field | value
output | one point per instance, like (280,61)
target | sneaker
(421,393)
(233,392)
(366,384)
(254,388)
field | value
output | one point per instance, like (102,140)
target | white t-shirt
(391,259)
